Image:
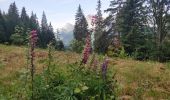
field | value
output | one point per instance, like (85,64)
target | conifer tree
(130,21)
(99,38)
(81,26)
(47,33)
(34,25)
(158,13)
(44,31)
(50,34)
(44,24)
(59,42)
(24,19)
(12,19)
(2,29)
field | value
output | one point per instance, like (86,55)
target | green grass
(136,80)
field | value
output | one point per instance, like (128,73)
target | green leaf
(77,90)
(84,88)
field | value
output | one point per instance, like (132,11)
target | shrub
(17,39)
(76,46)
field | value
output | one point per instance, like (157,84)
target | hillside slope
(136,80)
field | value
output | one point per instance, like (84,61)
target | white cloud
(67,28)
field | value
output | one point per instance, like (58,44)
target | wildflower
(87,49)
(33,40)
(104,68)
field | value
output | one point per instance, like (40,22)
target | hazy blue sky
(59,12)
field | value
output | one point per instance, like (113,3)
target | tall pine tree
(33,22)
(2,29)
(81,26)
(99,37)
(43,33)
(51,36)
(24,19)
(12,19)
(47,34)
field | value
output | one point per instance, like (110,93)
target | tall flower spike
(104,68)
(33,40)
(33,37)
(87,49)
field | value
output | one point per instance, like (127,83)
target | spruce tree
(24,19)
(12,19)
(47,33)
(44,29)
(33,22)
(81,26)
(99,44)
(130,21)
(44,24)
(50,32)
(2,29)
(59,43)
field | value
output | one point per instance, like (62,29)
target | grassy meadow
(136,80)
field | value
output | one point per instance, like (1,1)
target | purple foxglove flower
(87,49)
(33,38)
(104,68)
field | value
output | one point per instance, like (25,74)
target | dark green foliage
(24,19)
(46,35)
(132,30)
(80,28)
(14,29)
(99,35)
(80,31)
(19,38)
(34,25)
(158,15)
(129,19)
(59,45)
(77,84)
(101,43)
(12,19)
(76,46)
(2,29)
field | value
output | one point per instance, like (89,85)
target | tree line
(15,28)
(135,28)
(139,28)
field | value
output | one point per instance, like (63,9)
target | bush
(116,52)
(59,45)
(76,46)
(17,39)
